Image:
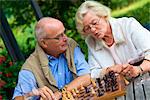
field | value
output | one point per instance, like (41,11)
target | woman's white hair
(94,6)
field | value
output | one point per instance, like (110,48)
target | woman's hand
(130,71)
(116,68)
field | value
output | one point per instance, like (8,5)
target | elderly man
(56,62)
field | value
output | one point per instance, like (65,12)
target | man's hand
(58,95)
(83,80)
(44,92)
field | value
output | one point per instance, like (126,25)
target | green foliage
(69,22)
(21,18)
(119,4)
(141,14)
(8,75)
(21,10)
(25,38)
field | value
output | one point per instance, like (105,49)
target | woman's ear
(43,43)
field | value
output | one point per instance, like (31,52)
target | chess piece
(93,83)
(81,87)
(73,92)
(93,91)
(76,90)
(69,95)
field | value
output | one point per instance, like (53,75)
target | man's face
(56,40)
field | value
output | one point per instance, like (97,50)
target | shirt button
(60,73)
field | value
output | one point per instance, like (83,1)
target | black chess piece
(87,90)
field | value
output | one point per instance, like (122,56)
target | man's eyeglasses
(59,37)
(92,24)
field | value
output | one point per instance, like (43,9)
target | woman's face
(94,25)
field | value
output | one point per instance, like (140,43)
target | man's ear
(43,43)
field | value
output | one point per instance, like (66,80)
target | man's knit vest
(37,63)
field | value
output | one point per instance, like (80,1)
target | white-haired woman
(115,43)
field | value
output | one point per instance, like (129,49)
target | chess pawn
(100,92)
(64,90)
(87,90)
(111,73)
(69,96)
(126,81)
(98,82)
(93,91)
(93,83)
(81,87)
(64,96)
(74,92)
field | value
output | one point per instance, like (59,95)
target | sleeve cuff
(147,57)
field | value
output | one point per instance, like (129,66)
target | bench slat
(121,98)
(147,87)
(139,93)
(130,95)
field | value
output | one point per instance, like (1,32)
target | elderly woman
(115,44)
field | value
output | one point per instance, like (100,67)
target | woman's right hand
(116,68)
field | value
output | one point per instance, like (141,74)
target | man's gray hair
(39,28)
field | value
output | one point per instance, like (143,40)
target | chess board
(107,88)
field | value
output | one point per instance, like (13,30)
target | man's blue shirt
(59,69)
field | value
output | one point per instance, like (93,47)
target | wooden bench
(138,90)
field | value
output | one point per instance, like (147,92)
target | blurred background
(22,19)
